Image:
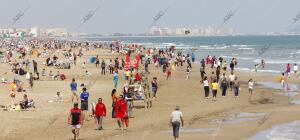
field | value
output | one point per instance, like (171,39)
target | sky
(135,16)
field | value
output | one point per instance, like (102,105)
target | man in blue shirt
(84,97)
(73,87)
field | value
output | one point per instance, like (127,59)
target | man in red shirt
(100,112)
(121,112)
(75,120)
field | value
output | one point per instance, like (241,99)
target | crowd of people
(213,73)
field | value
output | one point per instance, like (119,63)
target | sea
(277,51)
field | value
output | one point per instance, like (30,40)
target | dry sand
(49,120)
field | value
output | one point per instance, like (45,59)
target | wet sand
(49,120)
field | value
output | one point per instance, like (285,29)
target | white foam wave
(239,58)
(274,61)
(245,48)
(288,131)
(262,71)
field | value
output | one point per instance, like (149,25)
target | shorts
(74,92)
(154,90)
(84,106)
(250,89)
(75,126)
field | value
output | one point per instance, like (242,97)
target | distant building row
(34,32)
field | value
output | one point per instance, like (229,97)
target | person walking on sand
(84,96)
(121,113)
(250,87)
(154,86)
(206,87)
(224,85)
(73,87)
(75,120)
(114,97)
(214,88)
(175,122)
(116,79)
(100,112)
(236,87)
(31,81)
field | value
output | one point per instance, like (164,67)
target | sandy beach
(204,119)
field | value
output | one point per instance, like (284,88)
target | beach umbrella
(127,62)
(137,60)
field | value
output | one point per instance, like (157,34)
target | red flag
(137,60)
(127,62)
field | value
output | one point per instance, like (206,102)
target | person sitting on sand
(24,102)
(43,72)
(62,77)
(87,73)
(55,77)
(4,81)
(51,73)
(58,97)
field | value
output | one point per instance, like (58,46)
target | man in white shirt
(176,118)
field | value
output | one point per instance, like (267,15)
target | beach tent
(92,60)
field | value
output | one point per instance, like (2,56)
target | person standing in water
(296,70)
(175,122)
(282,79)
(288,70)
(263,63)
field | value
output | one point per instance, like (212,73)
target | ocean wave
(245,48)
(288,131)
(274,61)
(259,70)
(239,58)
(213,47)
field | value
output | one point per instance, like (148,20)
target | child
(188,69)
(250,87)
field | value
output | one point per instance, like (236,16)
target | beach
(204,119)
